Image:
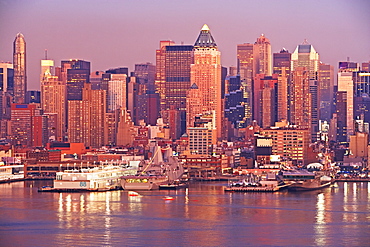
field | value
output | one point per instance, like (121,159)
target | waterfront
(202,215)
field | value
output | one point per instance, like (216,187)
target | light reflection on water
(201,215)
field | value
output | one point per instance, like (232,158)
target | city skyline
(93,35)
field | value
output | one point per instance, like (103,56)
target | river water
(201,215)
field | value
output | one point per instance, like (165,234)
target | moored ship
(102,178)
(160,170)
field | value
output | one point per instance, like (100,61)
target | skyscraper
(262,61)
(300,103)
(245,70)
(206,75)
(306,56)
(53,98)
(326,85)
(19,63)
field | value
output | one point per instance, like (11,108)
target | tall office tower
(86,118)
(315,105)
(306,56)
(6,77)
(245,70)
(76,73)
(281,61)
(346,91)
(26,127)
(234,103)
(6,89)
(173,82)
(340,132)
(145,74)
(96,80)
(133,101)
(117,92)
(300,102)
(283,96)
(98,99)
(20,73)
(361,80)
(160,75)
(265,99)
(281,67)
(326,85)
(53,98)
(206,75)
(262,61)
(177,70)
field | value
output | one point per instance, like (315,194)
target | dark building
(282,61)
(77,73)
(234,102)
(173,92)
(341,110)
(33,97)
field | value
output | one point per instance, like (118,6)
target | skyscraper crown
(205,38)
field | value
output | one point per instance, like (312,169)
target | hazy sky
(114,33)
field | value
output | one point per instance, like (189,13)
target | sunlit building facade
(53,98)
(19,64)
(262,60)
(206,75)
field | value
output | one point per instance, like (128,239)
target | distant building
(206,75)
(26,125)
(53,98)
(262,60)
(20,72)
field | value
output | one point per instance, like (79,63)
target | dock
(256,189)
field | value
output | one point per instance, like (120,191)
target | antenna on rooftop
(46,54)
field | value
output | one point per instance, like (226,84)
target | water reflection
(202,214)
(320,226)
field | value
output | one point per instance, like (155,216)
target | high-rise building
(173,82)
(306,56)
(281,61)
(26,125)
(265,99)
(86,118)
(326,86)
(76,73)
(300,100)
(206,75)
(245,70)
(346,93)
(262,61)
(361,80)
(20,73)
(117,92)
(53,98)
(6,89)
(6,77)
(145,74)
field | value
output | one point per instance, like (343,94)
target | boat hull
(303,187)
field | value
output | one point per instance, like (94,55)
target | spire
(205,38)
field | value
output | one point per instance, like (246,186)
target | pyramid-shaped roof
(205,38)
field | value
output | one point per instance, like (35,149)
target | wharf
(51,189)
(352,180)
(256,189)
(173,186)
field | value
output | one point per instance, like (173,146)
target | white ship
(100,178)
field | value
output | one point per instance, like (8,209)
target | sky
(122,33)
